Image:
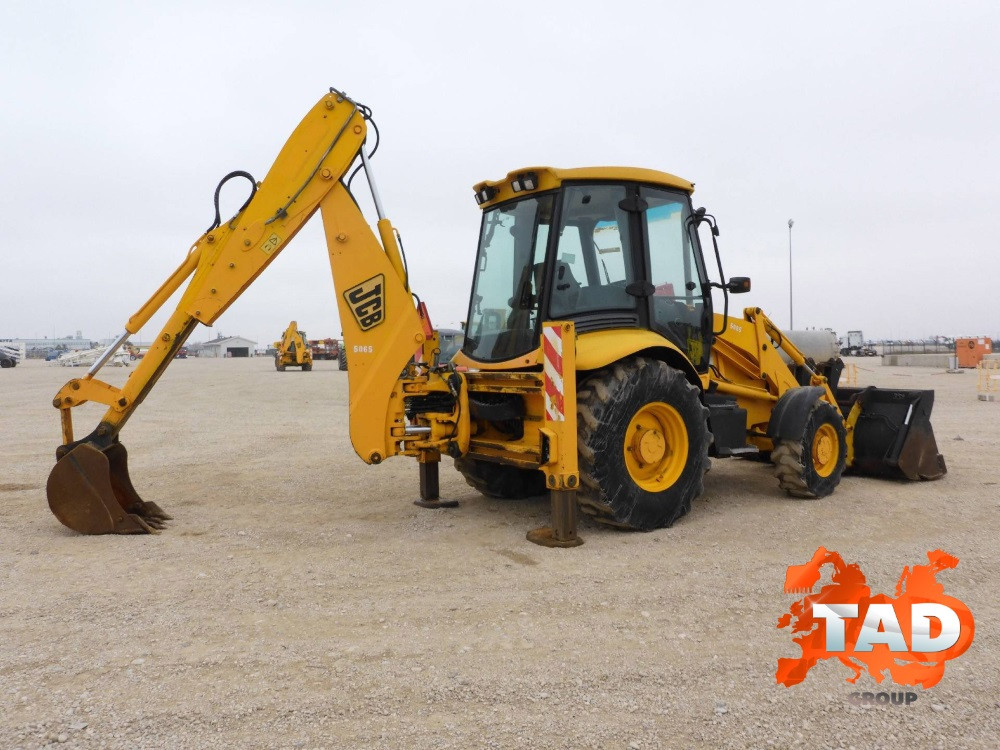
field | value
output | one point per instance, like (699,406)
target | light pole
(791,311)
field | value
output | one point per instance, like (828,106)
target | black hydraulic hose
(402,252)
(366,112)
(218,190)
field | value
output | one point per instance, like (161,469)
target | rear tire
(499,481)
(342,359)
(643,439)
(306,368)
(812,466)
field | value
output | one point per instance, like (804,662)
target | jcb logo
(367,302)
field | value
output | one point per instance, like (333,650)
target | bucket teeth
(90,491)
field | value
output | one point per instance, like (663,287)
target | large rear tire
(811,467)
(499,481)
(643,439)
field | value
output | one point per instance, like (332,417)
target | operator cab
(608,248)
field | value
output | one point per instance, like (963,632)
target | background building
(227,346)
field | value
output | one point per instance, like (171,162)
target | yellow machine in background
(293,350)
(594,366)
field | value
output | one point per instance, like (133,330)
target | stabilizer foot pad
(545,536)
(436,503)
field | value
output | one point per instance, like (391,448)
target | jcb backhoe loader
(293,350)
(593,367)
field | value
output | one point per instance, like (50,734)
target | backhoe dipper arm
(89,489)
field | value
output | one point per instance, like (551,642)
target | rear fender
(597,349)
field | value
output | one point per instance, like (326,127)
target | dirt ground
(299,599)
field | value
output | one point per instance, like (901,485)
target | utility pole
(791,310)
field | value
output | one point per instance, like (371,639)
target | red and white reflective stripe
(553,371)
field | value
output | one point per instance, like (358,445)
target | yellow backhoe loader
(293,350)
(594,366)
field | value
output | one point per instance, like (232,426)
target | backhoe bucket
(89,491)
(893,436)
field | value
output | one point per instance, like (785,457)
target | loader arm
(89,489)
(887,430)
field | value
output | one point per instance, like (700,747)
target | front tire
(643,439)
(342,359)
(811,467)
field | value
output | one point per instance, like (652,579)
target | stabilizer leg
(562,533)
(430,493)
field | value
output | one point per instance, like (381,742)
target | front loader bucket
(893,436)
(90,491)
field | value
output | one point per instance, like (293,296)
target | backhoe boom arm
(381,325)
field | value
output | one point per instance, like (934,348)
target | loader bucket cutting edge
(893,436)
(90,491)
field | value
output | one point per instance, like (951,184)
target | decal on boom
(367,302)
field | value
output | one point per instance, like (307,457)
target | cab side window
(594,256)
(678,305)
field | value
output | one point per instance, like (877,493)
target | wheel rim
(656,446)
(825,450)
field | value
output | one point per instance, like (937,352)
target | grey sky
(873,125)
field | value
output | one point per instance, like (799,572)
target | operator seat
(565,291)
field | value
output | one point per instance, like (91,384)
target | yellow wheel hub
(825,450)
(656,446)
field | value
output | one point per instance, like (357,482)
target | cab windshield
(504,310)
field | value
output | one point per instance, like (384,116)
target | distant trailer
(87,357)
(325,348)
(9,356)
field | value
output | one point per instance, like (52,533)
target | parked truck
(328,349)
(855,346)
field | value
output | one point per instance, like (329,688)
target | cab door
(680,306)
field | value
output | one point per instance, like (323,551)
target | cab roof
(490,192)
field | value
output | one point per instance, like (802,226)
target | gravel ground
(299,600)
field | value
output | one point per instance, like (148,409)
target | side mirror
(738,284)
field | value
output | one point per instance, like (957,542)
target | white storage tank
(818,344)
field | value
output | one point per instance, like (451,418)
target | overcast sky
(872,124)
